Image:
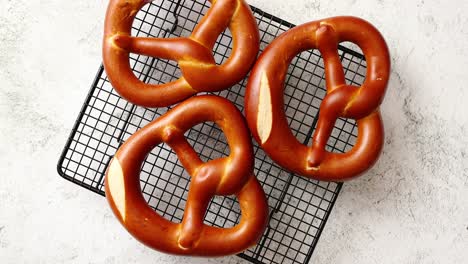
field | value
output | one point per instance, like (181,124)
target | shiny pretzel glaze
(193,54)
(232,175)
(265,102)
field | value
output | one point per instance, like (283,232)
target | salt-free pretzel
(265,103)
(232,175)
(200,73)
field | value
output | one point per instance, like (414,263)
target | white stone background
(412,207)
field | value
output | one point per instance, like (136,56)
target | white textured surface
(411,208)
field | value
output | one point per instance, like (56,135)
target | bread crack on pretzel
(116,183)
(198,64)
(264,116)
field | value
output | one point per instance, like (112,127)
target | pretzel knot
(200,73)
(264,99)
(232,175)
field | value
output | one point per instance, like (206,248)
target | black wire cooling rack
(299,207)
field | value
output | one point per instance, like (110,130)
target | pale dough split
(115,181)
(264,114)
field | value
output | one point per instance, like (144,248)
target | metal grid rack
(299,207)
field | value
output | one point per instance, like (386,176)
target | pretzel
(224,176)
(200,73)
(265,103)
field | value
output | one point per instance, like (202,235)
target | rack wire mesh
(299,207)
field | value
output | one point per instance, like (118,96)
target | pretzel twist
(200,73)
(264,99)
(232,175)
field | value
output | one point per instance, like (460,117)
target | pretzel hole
(164,183)
(343,136)
(154,70)
(208,140)
(223,211)
(190,13)
(304,90)
(223,47)
(154,20)
(354,67)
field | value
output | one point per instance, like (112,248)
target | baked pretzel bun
(200,73)
(232,175)
(264,102)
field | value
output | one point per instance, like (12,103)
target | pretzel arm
(327,43)
(214,22)
(200,192)
(187,155)
(171,48)
(332,107)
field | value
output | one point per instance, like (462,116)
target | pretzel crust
(232,175)
(266,87)
(200,73)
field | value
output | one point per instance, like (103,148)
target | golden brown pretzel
(265,102)
(194,53)
(223,176)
